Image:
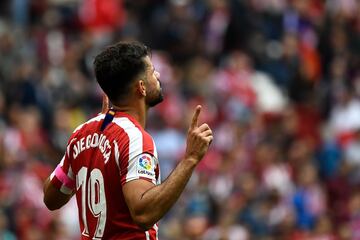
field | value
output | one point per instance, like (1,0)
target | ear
(141,88)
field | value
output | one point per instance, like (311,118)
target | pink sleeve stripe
(63,178)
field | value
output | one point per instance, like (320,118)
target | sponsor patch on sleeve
(146,166)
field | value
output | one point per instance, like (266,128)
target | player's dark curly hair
(118,65)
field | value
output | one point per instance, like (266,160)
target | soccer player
(111,163)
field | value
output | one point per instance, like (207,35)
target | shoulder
(92,120)
(131,128)
(137,136)
(78,131)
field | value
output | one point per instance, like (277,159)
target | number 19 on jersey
(93,196)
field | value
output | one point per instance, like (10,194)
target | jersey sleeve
(138,158)
(62,177)
(141,167)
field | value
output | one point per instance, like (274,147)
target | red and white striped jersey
(97,164)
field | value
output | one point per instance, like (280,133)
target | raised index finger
(194,121)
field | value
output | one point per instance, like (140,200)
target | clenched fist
(198,138)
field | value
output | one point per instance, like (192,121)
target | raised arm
(148,203)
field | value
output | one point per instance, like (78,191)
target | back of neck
(137,111)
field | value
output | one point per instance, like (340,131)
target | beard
(154,97)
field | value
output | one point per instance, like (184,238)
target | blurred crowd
(279,81)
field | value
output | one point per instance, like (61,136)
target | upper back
(102,161)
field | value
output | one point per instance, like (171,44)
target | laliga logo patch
(145,162)
(145,166)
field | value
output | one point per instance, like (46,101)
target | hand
(105,104)
(198,139)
